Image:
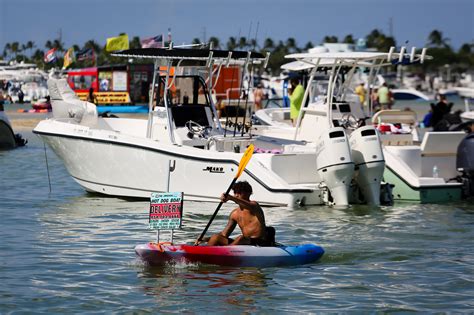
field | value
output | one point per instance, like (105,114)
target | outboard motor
(465,164)
(334,164)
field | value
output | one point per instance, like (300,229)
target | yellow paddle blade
(245,160)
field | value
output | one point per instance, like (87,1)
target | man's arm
(231,224)
(246,204)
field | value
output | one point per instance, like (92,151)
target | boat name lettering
(370,139)
(214,169)
(339,140)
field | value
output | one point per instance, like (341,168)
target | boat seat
(441,144)
(395,116)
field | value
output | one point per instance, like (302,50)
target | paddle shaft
(215,212)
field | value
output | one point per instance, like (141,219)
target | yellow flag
(69,58)
(117,43)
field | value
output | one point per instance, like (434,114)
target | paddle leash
(243,163)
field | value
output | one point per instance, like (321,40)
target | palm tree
(436,39)
(330,39)
(30,45)
(94,45)
(38,56)
(243,42)
(291,44)
(48,44)
(215,42)
(7,49)
(135,42)
(253,43)
(308,46)
(231,43)
(58,45)
(268,44)
(349,39)
(15,48)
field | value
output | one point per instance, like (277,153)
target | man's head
(295,81)
(242,188)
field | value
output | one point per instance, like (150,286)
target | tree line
(438,47)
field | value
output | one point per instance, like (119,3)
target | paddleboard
(239,255)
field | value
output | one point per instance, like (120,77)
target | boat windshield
(187,98)
(184,90)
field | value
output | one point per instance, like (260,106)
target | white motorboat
(339,113)
(422,169)
(182,145)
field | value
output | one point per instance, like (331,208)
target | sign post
(166,212)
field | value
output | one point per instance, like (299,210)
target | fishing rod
(241,85)
(230,91)
(248,86)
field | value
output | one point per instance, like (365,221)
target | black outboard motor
(465,164)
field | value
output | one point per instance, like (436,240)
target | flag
(69,58)
(50,56)
(86,53)
(117,43)
(152,42)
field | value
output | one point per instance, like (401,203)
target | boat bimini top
(168,62)
(338,63)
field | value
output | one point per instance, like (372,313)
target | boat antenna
(248,87)
(231,87)
(47,167)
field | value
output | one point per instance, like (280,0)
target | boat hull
(109,163)
(238,256)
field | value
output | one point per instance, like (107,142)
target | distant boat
(410,94)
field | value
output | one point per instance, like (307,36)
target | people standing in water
(91,98)
(248,216)
(296,92)
(440,110)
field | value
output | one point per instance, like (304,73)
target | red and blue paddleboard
(239,255)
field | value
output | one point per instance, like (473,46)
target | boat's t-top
(343,66)
(183,80)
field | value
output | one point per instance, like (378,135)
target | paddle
(243,163)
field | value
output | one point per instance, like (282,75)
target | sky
(305,20)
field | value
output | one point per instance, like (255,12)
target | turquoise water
(70,252)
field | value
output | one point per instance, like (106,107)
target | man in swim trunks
(248,216)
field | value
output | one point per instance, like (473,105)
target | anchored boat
(182,145)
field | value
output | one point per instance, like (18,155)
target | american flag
(86,53)
(152,42)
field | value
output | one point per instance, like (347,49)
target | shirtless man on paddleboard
(248,216)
